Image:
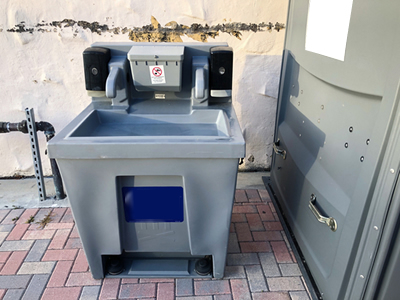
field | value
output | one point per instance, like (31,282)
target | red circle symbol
(156,71)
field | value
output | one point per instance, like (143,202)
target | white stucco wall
(44,70)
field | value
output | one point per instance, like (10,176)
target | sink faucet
(113,79)
(200,73)
(116,85)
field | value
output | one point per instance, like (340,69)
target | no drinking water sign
(157,74)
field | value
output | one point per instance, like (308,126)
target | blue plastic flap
(153,204)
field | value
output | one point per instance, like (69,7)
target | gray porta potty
(150,165)
(335,174)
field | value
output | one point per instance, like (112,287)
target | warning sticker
(157,74)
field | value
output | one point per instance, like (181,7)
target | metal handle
(278,151)
(331,222)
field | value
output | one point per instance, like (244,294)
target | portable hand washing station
(150,165)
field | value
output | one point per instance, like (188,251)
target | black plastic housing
(221,64)
(95,62)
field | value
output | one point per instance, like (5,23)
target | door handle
(278,151)
(331,222)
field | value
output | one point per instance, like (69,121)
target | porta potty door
(339,88)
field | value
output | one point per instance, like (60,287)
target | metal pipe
(58,184)
(47,128)
(49,132)
(6,127)
(3,127)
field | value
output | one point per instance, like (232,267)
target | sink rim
(133,147)
(218,117)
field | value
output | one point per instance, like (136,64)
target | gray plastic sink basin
(105,132)
(199,123)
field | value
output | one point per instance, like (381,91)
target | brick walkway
(50,264)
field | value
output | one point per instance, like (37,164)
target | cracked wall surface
(153,32)
(41,45)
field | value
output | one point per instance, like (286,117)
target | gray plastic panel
(151,52)
(156,67)
(334,118)
(387,286)
(93,192)
(368,52)
(142,237)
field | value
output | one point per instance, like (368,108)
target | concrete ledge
(24,193)
(250,180)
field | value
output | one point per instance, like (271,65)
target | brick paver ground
(49,263)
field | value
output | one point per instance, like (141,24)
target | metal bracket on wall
(30,117)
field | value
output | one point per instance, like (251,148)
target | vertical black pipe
(49,132)
(57,180)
